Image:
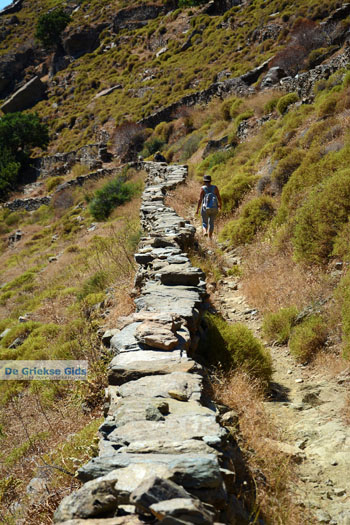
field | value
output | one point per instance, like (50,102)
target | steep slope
(255,93)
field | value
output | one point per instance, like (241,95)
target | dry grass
(272,471)
(258,101)
(23,419)
(273,280)
(184,199)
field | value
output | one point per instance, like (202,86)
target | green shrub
(151,146)
(235,107)
(233,192)
(190,146)
(50,26)
(229,108)
(219,157)
(285,101)
(346,80)
(52,182)
(321,217)
(328,106)
(113,194)
(342,295)
(277,326)
(254,217)
(308,338)
(19,134)
(234,346)
(9,172)
(163,131)
(22,330)
(316,56)
(271,105)
(94,284)
(286,167)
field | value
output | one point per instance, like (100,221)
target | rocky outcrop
(92,156)
(134,17)
(219,7)
(25,97)
(12,8)
(80,40)
(272,77)
(303,83)
(162,451)
(12,66)
(214,145)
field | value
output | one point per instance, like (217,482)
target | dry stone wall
(163,456)
(304,83)
(31,204)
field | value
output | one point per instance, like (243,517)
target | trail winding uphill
(309,409)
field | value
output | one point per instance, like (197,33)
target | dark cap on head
(207,178)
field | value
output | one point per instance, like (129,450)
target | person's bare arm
(201,197)
(217,193)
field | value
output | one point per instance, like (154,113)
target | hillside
(254,93)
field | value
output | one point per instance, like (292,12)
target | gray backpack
(210,200)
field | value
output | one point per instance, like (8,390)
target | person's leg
(204,221)
(211,219)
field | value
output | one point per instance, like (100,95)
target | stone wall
(304,83)
(162,450)
(234,86)
(92,156)
(27,204)
(34,203)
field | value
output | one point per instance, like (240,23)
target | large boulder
(134,15)
(80,40)
(12,66)
(25,97)
(272,77)
(94,499)
(219,7)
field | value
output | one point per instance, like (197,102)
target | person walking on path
(210,203)
(158,157)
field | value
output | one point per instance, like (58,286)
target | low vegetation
(20,133)
(113,194)
(235,347)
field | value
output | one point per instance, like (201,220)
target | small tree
(50,26)
(19,133)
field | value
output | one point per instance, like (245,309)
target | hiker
(158,157)
(210,200)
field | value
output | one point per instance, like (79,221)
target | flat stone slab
(182,300)
(136,409)
(125,341)
(134,365)
(174,428)
(197,471)
(180,274)
(186,509)
(190,385)
(145,330)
